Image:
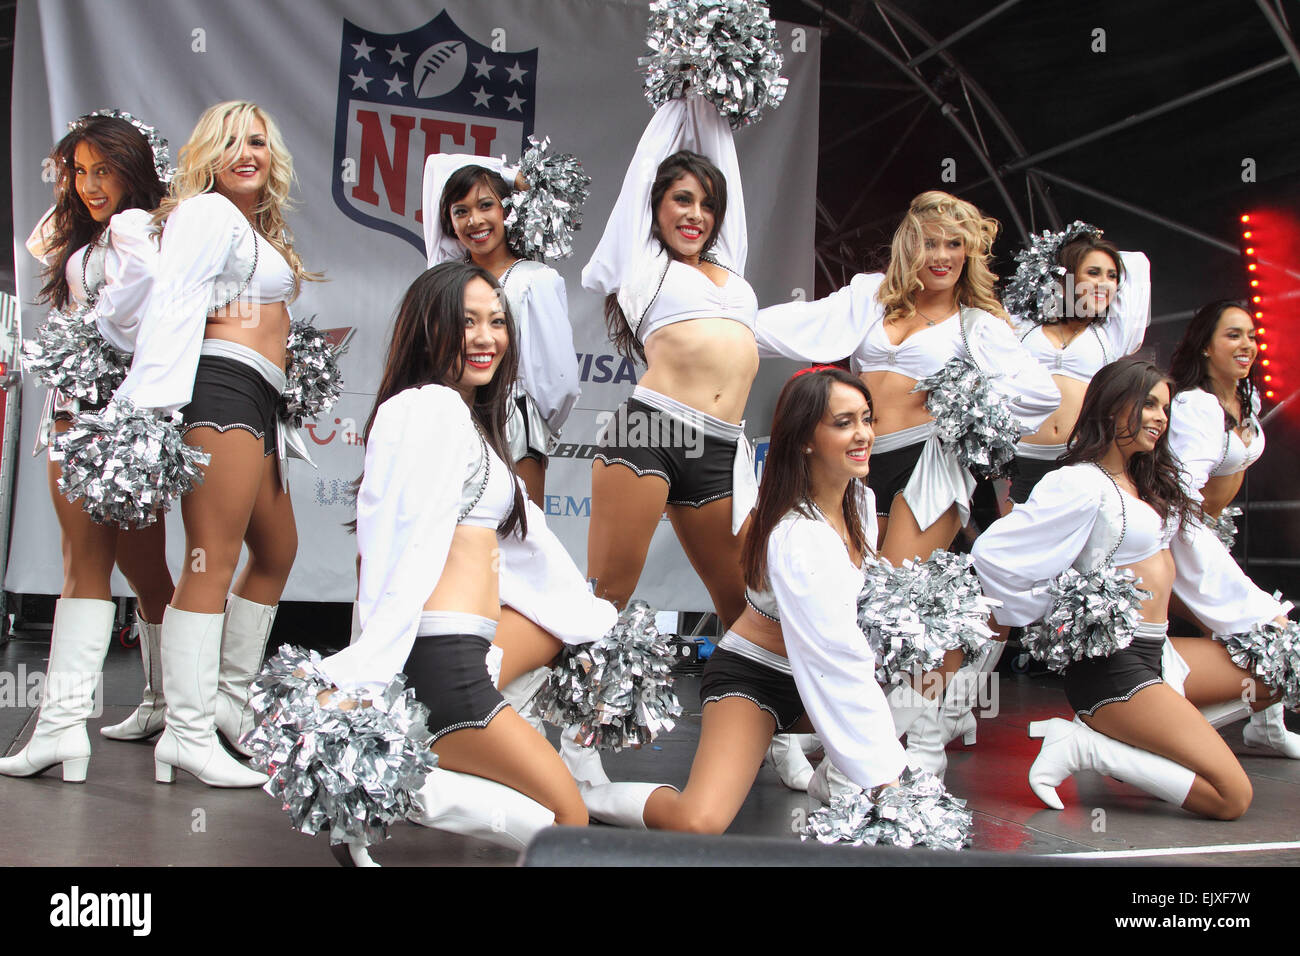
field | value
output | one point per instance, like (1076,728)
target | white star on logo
(395,85)
(516,74)
(515,102)
(482,68)
(397,55)
(481,97)
(360,81)
(363,50)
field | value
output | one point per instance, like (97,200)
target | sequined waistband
(1146,631)
(714,427)
(1039,452)
(901,439)
(222,348)
(731,641)
(438,623)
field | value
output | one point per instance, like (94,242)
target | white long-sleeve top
(421,451)
(548,362)
(850,322)
(210,256)
(816,585)
(116,272)
(1203,444)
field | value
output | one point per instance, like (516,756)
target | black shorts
(449,675)
(890,473)
(1027,472)
(1095,681)
(697,466)
(229,394)
(728,674)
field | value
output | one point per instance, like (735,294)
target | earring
(807,451)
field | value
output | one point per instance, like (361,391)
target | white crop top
(1144,533)
(487,494)
(1080,360)
(687,293)
(1205,447)
(922,353)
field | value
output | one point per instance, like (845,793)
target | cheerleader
(212,345)
(1106,309)
(452,556)
(1116,503)
(99,260)
(794,659)
(1215,433)
(934,303)
(463,216)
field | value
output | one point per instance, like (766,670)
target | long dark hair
(679,164)
(787,478)
(130,156)
(458,186)
(1073,253)
(1189,367)
(1118,388)
(428,347)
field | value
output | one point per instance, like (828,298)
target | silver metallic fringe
(1093,615)
(917,812)
(348,773)
(69,353)
(157,144)
(1036,292)
(1224,527)
(1272,653)
(726,49)
(617,691)
(126,464)
(314,381)
(541,220)
(912,615)
(973,421)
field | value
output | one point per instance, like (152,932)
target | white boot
(148,718)
(583,762)
(828,782)
(1268,729)
(478,807)
(191,656)
(243,644)
(785,754)
(1069,747)
(78,642)
(1229,712)
(620,804)
(961,696)
(519,694)
(922,720)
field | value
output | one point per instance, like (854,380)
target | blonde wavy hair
(953,217)
(207,153)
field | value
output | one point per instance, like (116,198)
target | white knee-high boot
(243,643)
(1267,728)
(78,641)
(620,804)
(478,807)
(786,755)
(148,718)
(191,655)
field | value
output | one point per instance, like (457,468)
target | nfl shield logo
(403,96)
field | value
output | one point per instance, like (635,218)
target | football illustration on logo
(440,69)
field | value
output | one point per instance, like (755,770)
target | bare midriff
(469,576)
(262,328)
(708,364)
(893,402)
(1155,574)
(759,630)
(1056,430)
(1219,492)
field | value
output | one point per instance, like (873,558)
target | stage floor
(120,817)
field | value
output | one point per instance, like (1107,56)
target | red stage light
(1245,218)
(1257,299)
(1269,393)
(1252,267)
(1250,250)
(1246,234)
(1254,283)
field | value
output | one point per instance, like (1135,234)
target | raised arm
(824,330)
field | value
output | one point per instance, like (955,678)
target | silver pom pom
(1224,527)
(917,812)
(541,220)
(726,49)
(1093,615)
(914,614)
(157,144)
(973,421)
(70,354)
(314,380)
(346,772)
(126,464)
(617,691)
(1036,292)
(1271,652)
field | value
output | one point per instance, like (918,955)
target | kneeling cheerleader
(1095,553)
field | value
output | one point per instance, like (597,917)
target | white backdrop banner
(362,91)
